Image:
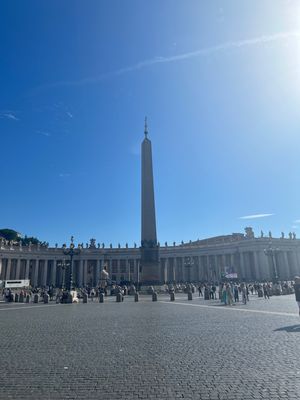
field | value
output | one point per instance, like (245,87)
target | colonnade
(174,267)
(86,272)
(248,265)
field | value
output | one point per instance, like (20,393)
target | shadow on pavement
(292,328)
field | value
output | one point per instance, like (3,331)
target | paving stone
(146,350)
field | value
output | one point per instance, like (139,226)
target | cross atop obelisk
(149,248)
(146,128)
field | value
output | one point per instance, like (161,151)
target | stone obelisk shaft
(148,202)
(149,248)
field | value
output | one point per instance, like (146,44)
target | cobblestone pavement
(151,350)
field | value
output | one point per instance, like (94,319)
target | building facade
(251,258)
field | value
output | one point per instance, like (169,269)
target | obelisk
(149,249)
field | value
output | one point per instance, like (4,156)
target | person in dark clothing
(200,290)
(265,291)
(297,291)
(236,293)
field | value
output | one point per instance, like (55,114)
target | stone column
(223,264)
(263,265)
(166,268)
(53,275)
(183,269)
(194,269)
(134,275)
(295,269)
(36,273)
(27,269)
(137,268)
(242,267)
(208,268)
(246,258)
(286,267)
(129,274)
(18,269)
(217,269)
(98,269)
(204,264)
(174,269)
(256,267)
(8,268)
(80,274)
(45,273)
(200,268)
(85,267)
(119,269)
(1,268)
(231,261)
(298,261)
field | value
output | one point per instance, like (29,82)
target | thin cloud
(64,175)
(8,115)
(44,133)
(69,114)
(254,216)
(297,221)
(184,56)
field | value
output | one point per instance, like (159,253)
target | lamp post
(71,251)
(188,264)
(271,252)
(63,265)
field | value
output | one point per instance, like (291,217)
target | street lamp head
(72,242)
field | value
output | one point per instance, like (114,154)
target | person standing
(244,293)
(265,291)
(297,291)
(236,293)
(214,289)
(224,295)
(229,295)
(200,290)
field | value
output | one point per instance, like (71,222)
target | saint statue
(104,278)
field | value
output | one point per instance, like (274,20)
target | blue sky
(219,82)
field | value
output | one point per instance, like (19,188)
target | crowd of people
(227,292)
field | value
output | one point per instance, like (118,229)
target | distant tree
(10,234)
(26,240)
